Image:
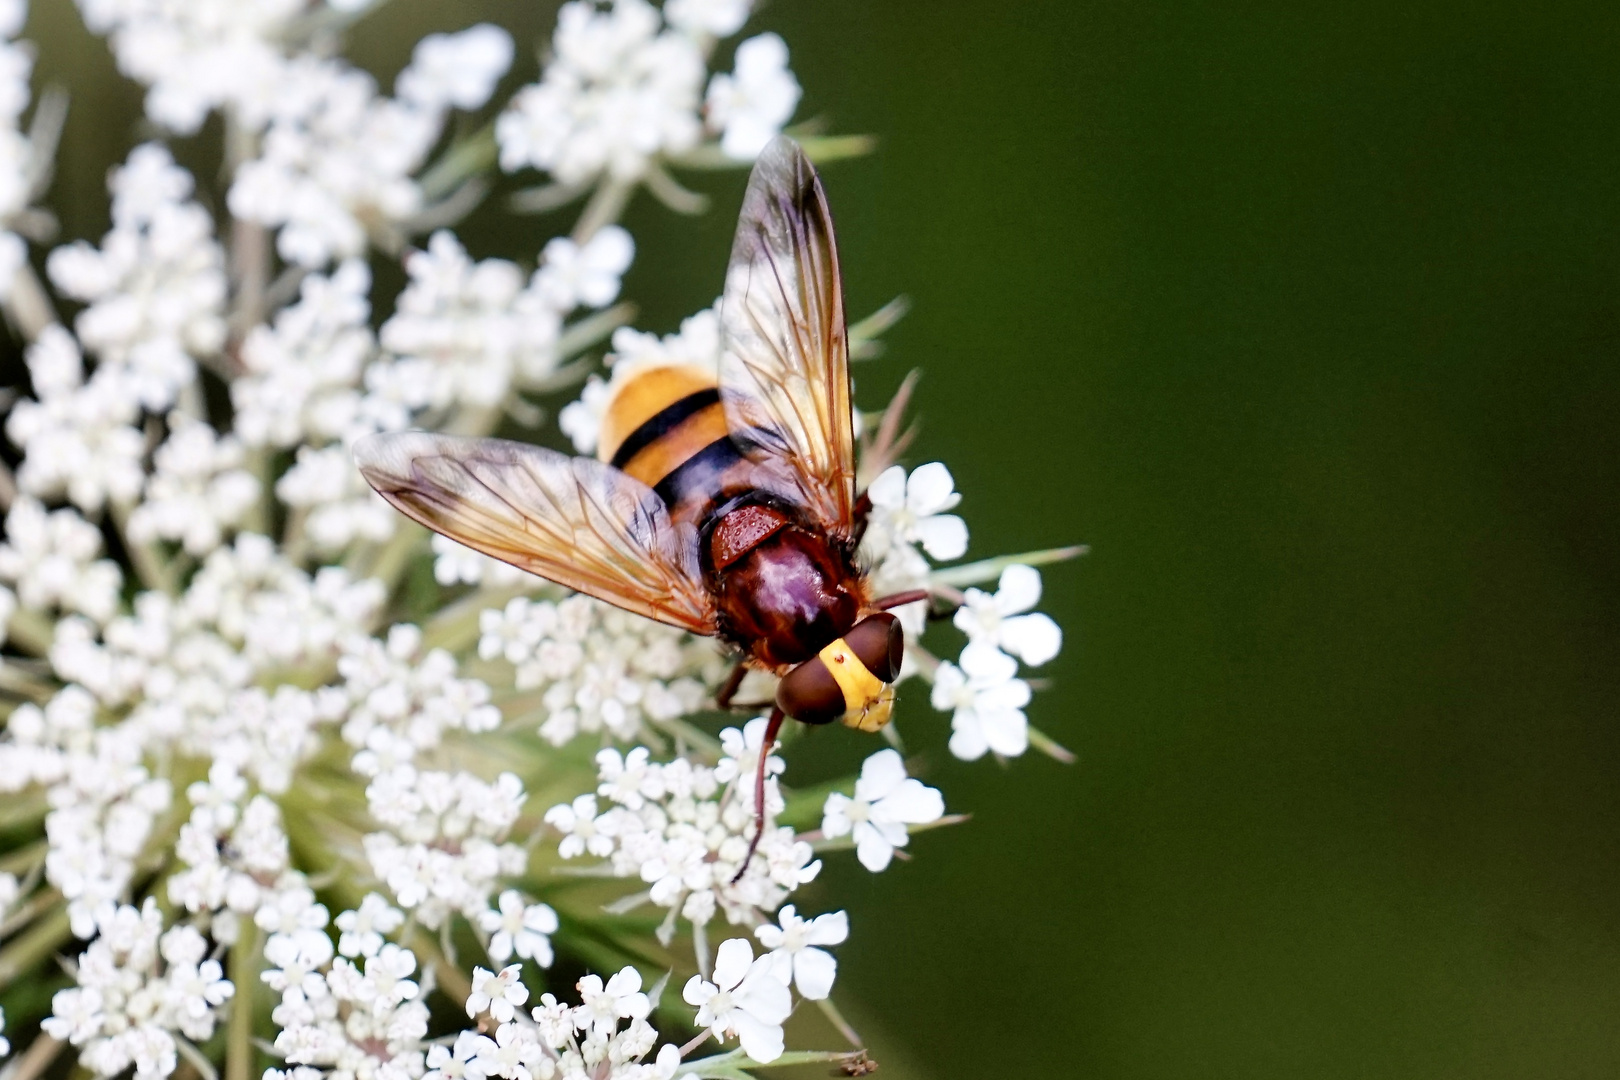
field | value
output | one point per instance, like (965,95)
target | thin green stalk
(989,569)
(607,203)
(35,1060)
(30,631)
(244,976)
(32,948)
(1051,747)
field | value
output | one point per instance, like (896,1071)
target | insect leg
(765,744)
(723,696)
(901,599)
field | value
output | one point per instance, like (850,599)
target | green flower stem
(456,627)
(607,202)
(28,304)
(847,843)
(465,159)
(244,976)
(450,979)
(1050,747)
(41,902)
(150,568)
(830,1011)
(990,569)
(588,331)
(36,1059)
(31,949)
(30,631)
(733,1065)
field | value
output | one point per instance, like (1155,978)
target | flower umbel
(281,775)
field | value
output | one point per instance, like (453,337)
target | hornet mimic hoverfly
(721,501)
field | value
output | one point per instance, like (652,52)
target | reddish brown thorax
(784,592)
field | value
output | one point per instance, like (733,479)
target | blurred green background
(1305,318)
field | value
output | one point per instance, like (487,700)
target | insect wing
(576,521)
(784,364)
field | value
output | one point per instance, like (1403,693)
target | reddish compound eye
(880,643)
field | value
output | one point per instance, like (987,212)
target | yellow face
(874,713)
(868,700)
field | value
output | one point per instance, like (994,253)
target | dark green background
(1304,317)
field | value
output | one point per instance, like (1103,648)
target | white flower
(885,802)
(986,700)
(155,289)
(794,952)
(912,510)
(497,993)
(520,928)
(746,999)
(573,276)
(750,106)
(363,927)
(616,94)
(50,558)
(456,70)
(715,18)
(602,1007)
(336,160)
(468,329)
(77,438)
(996,618)
(198,488)
(577,821)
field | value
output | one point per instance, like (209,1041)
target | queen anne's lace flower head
(241,685)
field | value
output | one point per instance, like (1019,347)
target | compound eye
(810,694)
(880,643)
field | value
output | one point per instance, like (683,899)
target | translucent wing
(576,521)
(784,364)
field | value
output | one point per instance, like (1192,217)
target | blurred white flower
(198,488)
(986,700)
(619,91)
(747,999)
(572,276)
(750,106)
(885,802)
(712,18)
(997,618)
(50,558)
(456,70)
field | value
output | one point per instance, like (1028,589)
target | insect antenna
(765,744)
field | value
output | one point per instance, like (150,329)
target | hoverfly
(720,501)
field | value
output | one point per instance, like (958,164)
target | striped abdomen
(666,427)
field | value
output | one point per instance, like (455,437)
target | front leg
(728,689)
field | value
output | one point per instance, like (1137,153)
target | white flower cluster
(78,438)
(465,332)
(624,87)
(20,171)
(198,488)
(236,858)
(684,829)
(200,597)
(444,852)
(399,701)
(584,1040)
(52,560)
(155,289)
(138,985)
(597,668)
(339,1019)
(983,692)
